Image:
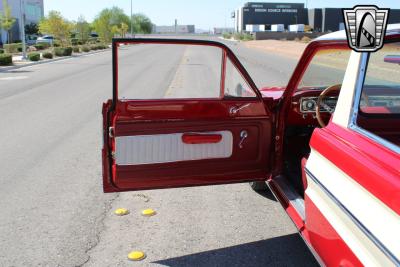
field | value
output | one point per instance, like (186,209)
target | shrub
(76,49)
(227,35)
(5,59)
(34,56)
(306,39)
(85,48)
(92,40)
(68,51)
(41,46)
(248,37)
(63,51)
(1,51)
(93,47)
(45,45)
(58,51)
(74,41)
(47,55)
(12,48)
(56,43)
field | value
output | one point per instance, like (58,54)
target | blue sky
(205,14)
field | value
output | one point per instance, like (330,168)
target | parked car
(327,145)
(31,39)
(45,39)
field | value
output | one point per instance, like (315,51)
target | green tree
(106,20)
(124,29)
(6,20)
(115,30)
(141,24)
(83,29)
(57,26)
(31,28)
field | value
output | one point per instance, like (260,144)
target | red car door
(197,139)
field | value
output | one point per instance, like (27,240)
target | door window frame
(227,54)
(355,109)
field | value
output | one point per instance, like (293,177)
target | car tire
(259,186)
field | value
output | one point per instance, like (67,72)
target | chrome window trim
(356,106)
(355,220)
(376,138)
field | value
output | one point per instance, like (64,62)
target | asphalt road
(53,211)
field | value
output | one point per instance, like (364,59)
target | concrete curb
(229,40)
(5,69)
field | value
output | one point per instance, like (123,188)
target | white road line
(177,81)
(12,78)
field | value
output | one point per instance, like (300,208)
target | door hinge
(111,132)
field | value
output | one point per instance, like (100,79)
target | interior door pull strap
(193,138)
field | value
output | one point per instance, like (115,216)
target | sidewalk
(18,62)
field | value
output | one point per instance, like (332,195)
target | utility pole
(176,26)
(131,20)
(22,27)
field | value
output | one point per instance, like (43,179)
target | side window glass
(381,90)
(169,71)
(379,106)
(235,84)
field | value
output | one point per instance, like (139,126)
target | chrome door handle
(235,110)
(243,136)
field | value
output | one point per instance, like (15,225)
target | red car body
(349,177)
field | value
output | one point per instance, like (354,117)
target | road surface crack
(99,226)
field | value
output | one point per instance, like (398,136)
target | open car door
(183,113)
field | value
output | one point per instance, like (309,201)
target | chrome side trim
(357,222)
(294,198)
(356,107)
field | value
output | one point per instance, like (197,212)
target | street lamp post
(22,27)
(131,20)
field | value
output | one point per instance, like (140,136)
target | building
(319,19)
(223,30)
(255,13)
(34,12)
(174,29)
(326,19)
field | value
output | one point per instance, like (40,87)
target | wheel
(259,186)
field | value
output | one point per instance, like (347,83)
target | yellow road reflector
(136,256)
(148,212)
(121,212)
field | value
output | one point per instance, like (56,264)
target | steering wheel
(321,103)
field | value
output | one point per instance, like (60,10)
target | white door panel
(165,148)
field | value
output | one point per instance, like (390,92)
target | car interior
(312,107)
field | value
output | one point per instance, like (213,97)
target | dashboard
(309,104)
(304,103)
